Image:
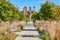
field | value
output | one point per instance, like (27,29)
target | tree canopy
(48,11)
(9,12)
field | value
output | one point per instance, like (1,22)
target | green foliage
(47,11)
(44,36)
(57,16)
(22,16)
(36,16)
(9,12)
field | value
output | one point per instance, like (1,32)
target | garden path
(28,33)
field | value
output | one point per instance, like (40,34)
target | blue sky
(36,3)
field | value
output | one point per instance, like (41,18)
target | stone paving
(28,33)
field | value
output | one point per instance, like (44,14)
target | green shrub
(44,36)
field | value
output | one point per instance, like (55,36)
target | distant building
(30,11)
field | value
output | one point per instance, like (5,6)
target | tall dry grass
(5,29)
(5,26)
(51,28)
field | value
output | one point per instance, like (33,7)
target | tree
(47,11)
(8,12)
(36,16)
(57,16)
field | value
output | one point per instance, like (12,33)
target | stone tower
(34,8)
(30,8)
(25,10)
(29,11)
